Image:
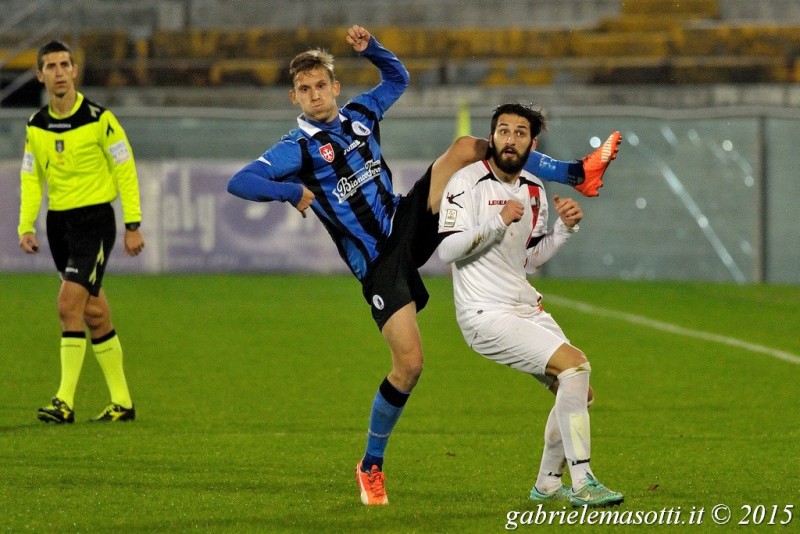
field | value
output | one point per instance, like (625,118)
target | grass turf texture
(252,394)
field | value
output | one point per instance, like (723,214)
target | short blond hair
(310,60)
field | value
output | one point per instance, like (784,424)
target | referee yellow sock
(73,348)
(108,352)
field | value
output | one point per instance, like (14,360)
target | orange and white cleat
(372,485)
(596,163)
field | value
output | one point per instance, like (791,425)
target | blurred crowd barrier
(694,195)
(489,43)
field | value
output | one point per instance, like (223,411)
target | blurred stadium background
(705,92)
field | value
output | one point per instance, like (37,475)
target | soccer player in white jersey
(493,220)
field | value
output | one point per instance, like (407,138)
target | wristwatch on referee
(132,226)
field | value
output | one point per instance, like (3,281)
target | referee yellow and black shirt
(84,158)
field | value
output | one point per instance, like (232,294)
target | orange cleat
(596,163)
(371,485)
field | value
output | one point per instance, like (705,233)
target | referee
(80,151)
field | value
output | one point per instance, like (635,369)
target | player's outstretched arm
(251,182)
(394,76)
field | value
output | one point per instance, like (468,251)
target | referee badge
(59,145)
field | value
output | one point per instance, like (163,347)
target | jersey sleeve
(394,79)
(455,210)
(31,186)
(547,244)
(119,156)
(270,177)
(458,223)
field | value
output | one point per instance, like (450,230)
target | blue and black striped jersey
(341,163)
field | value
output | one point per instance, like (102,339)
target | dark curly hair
(535,117)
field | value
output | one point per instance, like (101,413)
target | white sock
(553,459)
(573,421)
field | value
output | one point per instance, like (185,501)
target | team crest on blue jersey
(326,151)
(59,145)
(360,129)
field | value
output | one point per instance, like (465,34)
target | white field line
(674,329)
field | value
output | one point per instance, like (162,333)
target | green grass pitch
(252,396)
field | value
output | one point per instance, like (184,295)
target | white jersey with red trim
(489,259)
(495,277)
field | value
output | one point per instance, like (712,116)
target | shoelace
(376,483)
(597,486)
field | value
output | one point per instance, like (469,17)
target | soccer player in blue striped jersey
(332,163)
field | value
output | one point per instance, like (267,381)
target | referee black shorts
(393,279)
(80,241)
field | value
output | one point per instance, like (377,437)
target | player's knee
(469,149)
(575,358)
(566,357)
(69,310)
(413,371)
(406,375)
(95,316)
(583,368)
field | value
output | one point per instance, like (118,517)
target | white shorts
(523,341)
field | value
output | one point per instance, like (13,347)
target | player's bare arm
(305,201)
(512,212)
(569,210)
(358,37)
(29,243)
